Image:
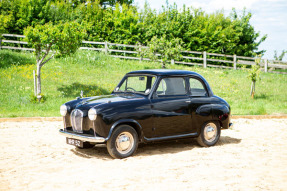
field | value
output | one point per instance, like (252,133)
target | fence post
(265,65)
(140,53)
(0,43)
(172,61)
(35,85)
(234,61)
(106,47)
(204,60)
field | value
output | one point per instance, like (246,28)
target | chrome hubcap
(124,142)
(210,132)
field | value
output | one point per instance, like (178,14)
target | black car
(147,106)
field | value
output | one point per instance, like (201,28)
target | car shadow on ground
(224,140)
(166,147)
(99,151)
(158,148)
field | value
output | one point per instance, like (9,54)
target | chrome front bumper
(82,137)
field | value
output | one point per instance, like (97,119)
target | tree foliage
(254,75)
(62,39)
(281,56)
(121,22)
(5,22)
(161,48)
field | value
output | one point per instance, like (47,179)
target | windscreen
(137,84)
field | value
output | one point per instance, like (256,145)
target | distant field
(96,74)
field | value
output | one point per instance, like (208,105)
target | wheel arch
(131,122)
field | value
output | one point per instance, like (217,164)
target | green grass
(96,74)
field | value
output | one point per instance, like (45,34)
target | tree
(5,22)
(281,56)
(114,2)
(164,49)
(254,74)
(121,22)
(104,3)
(49,40)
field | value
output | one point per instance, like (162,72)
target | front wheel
(123,142)
(209,134)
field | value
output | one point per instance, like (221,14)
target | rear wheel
(123,142)
(209,134)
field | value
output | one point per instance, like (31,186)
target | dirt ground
(250,156)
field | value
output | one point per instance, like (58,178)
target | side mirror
(147,91)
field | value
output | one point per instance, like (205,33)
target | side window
(171,86)
(197,88)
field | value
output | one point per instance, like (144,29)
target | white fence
(204,59)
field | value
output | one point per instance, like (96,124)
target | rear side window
(171,86)
(197,88)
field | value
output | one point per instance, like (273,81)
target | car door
(200,103)
(170,107)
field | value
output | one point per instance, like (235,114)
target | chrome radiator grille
(77,120)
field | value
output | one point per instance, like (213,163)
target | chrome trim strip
(171,137)
(82,137)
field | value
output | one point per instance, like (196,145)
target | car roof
(163,72)
(168,72)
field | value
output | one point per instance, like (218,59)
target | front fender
(130,122)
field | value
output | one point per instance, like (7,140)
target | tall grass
(97,74)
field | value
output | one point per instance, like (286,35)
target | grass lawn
(97,74)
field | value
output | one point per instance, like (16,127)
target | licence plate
(74,142)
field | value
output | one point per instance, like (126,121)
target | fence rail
(194,58)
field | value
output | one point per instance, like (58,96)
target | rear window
(196,87)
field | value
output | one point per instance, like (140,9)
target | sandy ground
(250,156)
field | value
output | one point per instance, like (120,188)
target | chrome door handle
(187,101)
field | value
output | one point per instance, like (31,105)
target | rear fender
(212,112)
(221,113)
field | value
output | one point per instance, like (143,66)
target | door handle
(187,101)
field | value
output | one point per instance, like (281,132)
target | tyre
(209,134)
(86,145)
(123,142)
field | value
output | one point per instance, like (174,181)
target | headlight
(63,110)
(92,114)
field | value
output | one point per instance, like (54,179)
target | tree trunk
(163,65)
(40,63)
(252,89)
(38,79)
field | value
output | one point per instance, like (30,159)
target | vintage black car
(147,106)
